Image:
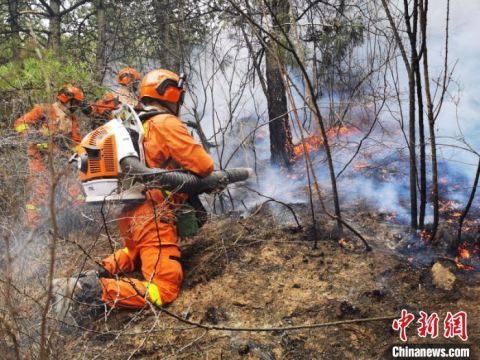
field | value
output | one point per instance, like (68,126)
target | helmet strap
(177,111)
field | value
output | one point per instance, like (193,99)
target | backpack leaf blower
(111,164)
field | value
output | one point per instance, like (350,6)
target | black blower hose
(181,181)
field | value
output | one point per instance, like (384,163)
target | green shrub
(24,82)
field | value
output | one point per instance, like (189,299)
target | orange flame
(341,130)
(463,252)
(314,142)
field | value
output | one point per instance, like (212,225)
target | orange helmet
(69,92)
(163,85)
(104,106)
(127,76)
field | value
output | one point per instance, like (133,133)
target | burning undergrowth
(372,171)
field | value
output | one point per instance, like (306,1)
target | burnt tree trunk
(281,146)
(411,114)
(412,151)
(179,59)
(422,144)
(431,118)
(15,27)
(433,148)
(421,125)
(101,40)
(167,54)
(161,9)
(423,156)
(54,26)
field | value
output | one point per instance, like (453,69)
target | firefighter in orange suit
(128,79)
(43,120)
(102,110)
(149,228)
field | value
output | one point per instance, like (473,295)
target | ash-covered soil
(261,271)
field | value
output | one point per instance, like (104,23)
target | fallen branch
(278,328)
(207,327)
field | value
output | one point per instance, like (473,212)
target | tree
(281,146)
(411,66)
(415,17)
(14,20)
(100,56)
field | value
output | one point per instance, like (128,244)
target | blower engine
(111,162)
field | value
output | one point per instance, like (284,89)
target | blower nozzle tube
(180,180)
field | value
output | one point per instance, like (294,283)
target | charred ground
(260,271)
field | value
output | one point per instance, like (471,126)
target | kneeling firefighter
(149,228)
(170,166)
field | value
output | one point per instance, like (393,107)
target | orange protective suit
(41,121)
(102,109)
(149,228)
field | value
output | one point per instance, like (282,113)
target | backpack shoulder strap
(144,116)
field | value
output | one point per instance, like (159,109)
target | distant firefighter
(128,78)
(102,110)
(36,126)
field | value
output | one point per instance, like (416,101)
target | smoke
(221,94)
(232,111)
(459,116)
(231,107)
